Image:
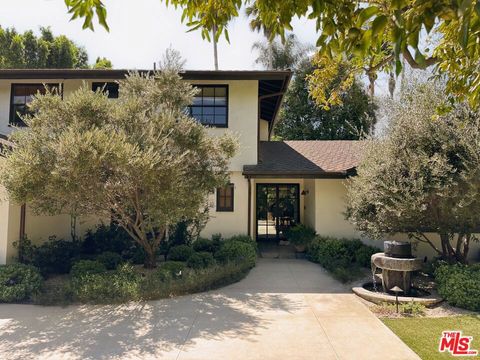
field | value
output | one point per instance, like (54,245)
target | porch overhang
(253,174)
(305,159)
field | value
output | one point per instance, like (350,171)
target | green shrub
(19,282)
(342,257)
(363,255)
(110,259)
(180,253)
(202,244)
(56,256)
(155,286)
(87,267)
(330,253)
(236,251)
(300,235)
(108,238)
(123,284)
(460,285)
(412,309)
(200,260)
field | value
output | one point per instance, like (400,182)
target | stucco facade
(302,181)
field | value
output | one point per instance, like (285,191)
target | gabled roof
(272,84)
(306,158)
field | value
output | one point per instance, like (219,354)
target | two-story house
(273,185)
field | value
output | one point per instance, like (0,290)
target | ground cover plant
(422,335)
(110,278)
(344,258)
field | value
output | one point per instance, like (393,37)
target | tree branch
(411,61)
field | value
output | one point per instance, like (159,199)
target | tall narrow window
(210,105)
(225,198)
(21,96)
(111,88)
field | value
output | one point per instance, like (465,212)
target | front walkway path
(284,309)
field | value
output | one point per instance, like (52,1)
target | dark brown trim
(121,73)
(277,185)
(23,212)
(286,82)
(13,85)
(249,218)
(224,126)
(287,175)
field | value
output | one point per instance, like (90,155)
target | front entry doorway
(278,208)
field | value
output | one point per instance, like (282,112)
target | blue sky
(140,33)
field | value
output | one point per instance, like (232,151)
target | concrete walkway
(284,309)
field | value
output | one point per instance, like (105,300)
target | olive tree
(423,176)
(140,159)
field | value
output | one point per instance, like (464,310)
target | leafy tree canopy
(301,118)
(28,51)
(102,63)
(140,160)
(423,176)
(374,35)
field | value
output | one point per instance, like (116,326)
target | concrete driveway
(284,309)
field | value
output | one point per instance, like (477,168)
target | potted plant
(300,236)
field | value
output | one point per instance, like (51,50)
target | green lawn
(423,334)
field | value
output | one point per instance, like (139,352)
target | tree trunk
(73,227)
(150,259)
(444,240)
(215,53)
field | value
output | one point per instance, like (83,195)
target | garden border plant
(343,258)
(90,280)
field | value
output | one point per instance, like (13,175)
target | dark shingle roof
(310,158)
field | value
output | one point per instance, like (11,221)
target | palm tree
(279,55)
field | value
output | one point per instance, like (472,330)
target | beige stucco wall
(309,205)
(225,222)
(242,119)
(263,130)
(330,221)
(9,227)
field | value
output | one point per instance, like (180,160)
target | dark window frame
(226,106)
(230,208)
(104,86)
(13,113)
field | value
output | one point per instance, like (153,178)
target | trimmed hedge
(459,285)
(200,260)
(116,286)
(342,257)
(87,267)
(236,251)
(19,282)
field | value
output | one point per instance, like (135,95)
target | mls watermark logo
(456,344)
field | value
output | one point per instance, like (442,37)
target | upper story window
(210,105)
(21,96)
(111,88)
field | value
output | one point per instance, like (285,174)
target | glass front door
(278,208)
